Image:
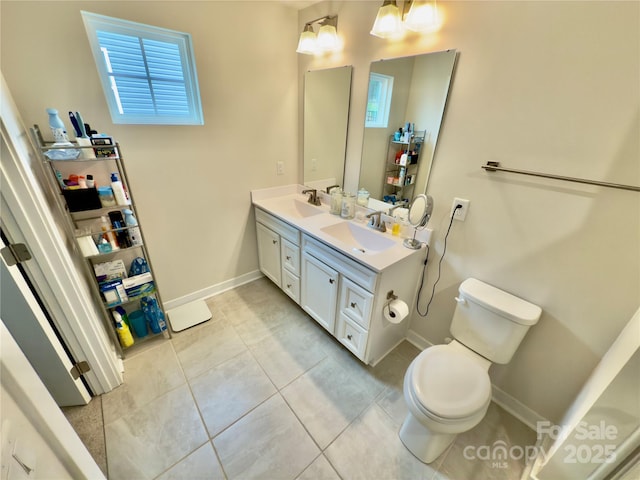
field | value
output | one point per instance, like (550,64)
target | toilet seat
(449,384)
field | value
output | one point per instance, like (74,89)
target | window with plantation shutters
(148,73)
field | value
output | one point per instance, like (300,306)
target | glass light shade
(388,22)
(328,39)
(422,16)
(308,42)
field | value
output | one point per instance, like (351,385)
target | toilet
(447,387)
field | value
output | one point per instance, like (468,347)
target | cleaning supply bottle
(118,190)
(124,334)
(134,231)
(57,127)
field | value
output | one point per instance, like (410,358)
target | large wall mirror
(404,90)
(326,115)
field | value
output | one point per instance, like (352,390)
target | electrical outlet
(460,213)
(280,168)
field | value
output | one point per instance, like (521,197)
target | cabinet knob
(288,257)
(288,285)
(331,280)
(353,304)
(274,241)
(350,336)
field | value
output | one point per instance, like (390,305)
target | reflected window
(379,100)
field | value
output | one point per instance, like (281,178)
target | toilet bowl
(447,387)
(448,391)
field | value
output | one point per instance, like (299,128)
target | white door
(30,327)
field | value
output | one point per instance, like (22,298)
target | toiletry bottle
(124,334)
(348,206)
(134,231)
(118,190)
(109,236)
(90,181)
(117,222)
(57,127)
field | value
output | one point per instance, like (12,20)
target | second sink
(358,237)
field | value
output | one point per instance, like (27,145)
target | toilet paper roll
(396,311)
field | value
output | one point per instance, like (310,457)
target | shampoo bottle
(118,190)
(134,231)
(57,127)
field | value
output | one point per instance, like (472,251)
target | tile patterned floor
(261,391)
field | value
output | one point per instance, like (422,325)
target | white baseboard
(516,408)
(213,290)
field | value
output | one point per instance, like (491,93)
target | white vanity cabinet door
(355,302)
(269,253)
(319,291)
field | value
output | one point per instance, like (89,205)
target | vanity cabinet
(279,253)
(345,296)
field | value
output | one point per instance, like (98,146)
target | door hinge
(15,253)
(78,369)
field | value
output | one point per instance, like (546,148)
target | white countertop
(272,200)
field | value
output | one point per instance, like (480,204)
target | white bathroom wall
(542,86)
(191,183)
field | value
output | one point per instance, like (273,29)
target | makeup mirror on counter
(405,105)
(326,115)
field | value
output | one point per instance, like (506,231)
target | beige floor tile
(268,443)
(320,469)
(230,390)
(146,441)
(370,448)
(205,346)
(328,397)
(146,376)
(476,454)
(289,352)
(200,465)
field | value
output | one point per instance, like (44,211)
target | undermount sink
(297,208)
(359,238)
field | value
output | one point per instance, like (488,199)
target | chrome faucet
(313,196)
(328,190)
(399,205)
(376,221)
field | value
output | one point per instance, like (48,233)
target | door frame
(27,218)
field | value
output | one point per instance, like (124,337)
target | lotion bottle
(134,231)
(118,190)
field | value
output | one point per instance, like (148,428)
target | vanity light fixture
(388,23)
(326,40)
(417,15)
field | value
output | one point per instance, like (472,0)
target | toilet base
(422,442)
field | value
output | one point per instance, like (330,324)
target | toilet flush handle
(461,301)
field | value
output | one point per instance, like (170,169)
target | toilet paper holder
(390,298)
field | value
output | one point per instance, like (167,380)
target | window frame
(94,22)
(384,100)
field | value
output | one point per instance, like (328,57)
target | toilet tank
(491,322)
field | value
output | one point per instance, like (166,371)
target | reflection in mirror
(326,114)
(404,92)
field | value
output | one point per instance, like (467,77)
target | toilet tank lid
(499,301)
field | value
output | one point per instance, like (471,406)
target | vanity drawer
(291,285)
(352,335)
(355,302)
(290,255)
